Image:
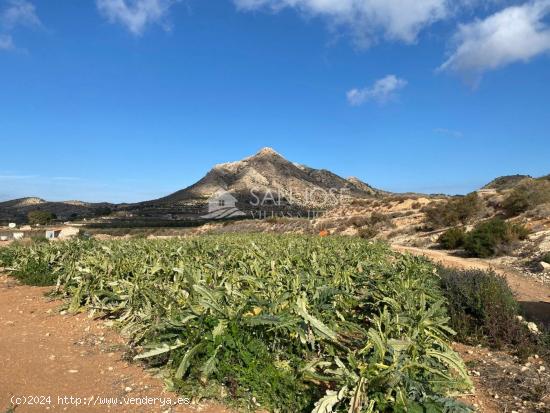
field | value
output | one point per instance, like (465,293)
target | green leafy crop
(282,323)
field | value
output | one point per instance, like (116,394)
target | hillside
(268,173)
(16,210)
(22,202)
(507,182)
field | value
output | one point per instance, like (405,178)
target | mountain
(267,174)
(265,178)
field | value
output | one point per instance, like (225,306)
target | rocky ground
(48,354)
(504,384)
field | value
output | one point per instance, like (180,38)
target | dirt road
(54,357)
(533,296)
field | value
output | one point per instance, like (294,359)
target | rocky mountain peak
(267,151)
(268,172)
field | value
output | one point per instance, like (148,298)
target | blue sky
(120,100)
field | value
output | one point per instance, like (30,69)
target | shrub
(102,211)
(452,238)
(361,202)
(483,309)
(369,226)
(455,211)
(358,221)
(40,217)
(527,196)
(379,220)
(367,233)
(546,257)
(493,237)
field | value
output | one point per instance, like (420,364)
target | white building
(62,233)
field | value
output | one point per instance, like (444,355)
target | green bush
(455,211)
(482,308)
(546,257)
(526,197)
(452,238)
(493,237)
(40,217)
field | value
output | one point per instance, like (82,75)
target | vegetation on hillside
(292,323)
(527,196)
(452,239)
(493,237)
(481,305)
(487,239)
(40,217)
(483,310)
(455,211)
(370,226)
(506,182)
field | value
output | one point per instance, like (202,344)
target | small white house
(62,233)
(53,234)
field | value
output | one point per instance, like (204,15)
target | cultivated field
(282,323)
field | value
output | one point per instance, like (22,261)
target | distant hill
(507,182)
(16,210)
(22,202)
(267,172)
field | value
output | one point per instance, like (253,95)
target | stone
(533,328)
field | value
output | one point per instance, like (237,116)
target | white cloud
(382,91)
(136,15)
(396,19)
(16,13)
(6,42)
(515,34)
(19,13)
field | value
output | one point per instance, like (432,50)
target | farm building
(53,233)
(61,233)
(9,236)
